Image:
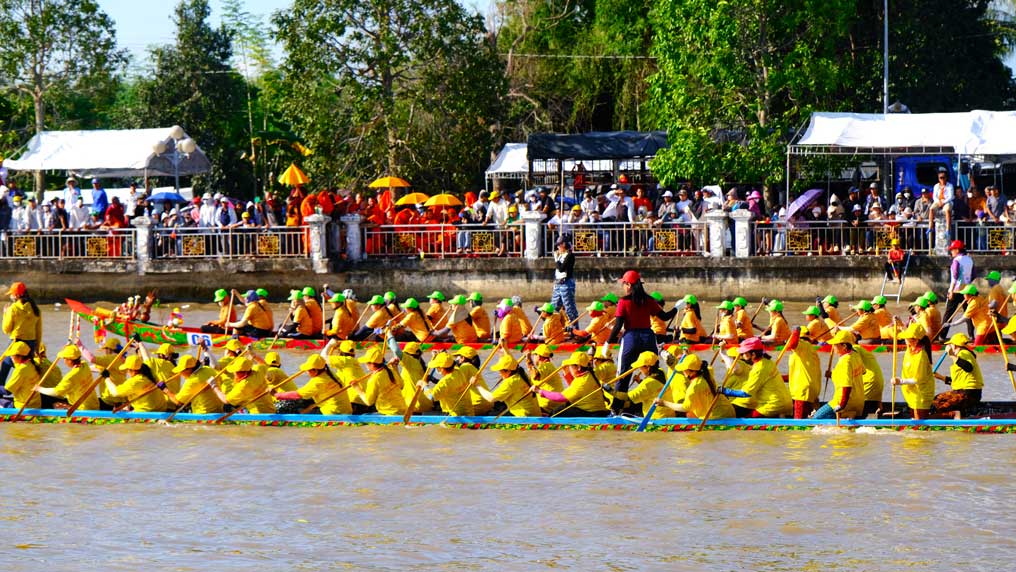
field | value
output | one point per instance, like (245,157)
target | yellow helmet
(186,362)
(132,363)
(690,363)
(843,337)
(70,352)
(372,355)
(578,358)
(506,363)
(314,361)
(442,360)
(466,351)
(234,345)
(646,359)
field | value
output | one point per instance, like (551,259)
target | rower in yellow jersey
(204,397)
(866,328)
(266,307)
(692,331)
(585,395)
(436,312)
(778,331)
(110,349)
(44,364)
(553,325)
(414,325)
(75,382)
(934,316)
(22,321)
(916,377)
(598,330)
(514,389)
(804,380)
(769,395)
(818,330)
(23,377)
(233,349)
(745,329)
(255,322)
(249,383)
(138,387)
(460,322)
(342,321)
(301,324)
(737,378)
(314,310)
(701,392)
(978,314)
(481,321)
(830,311)
(882,317)
(351,304)
(450,387)
(227,313)
(411,370)
(383,390)
(544,374)
(345,368)
(604,369)
(997,294)
(379,314)
(161,364)
(656,324)
(274,374)
(322,388)
(648,390)
(965,378)
(468,362)
(512,328)
(874,382)
(847,400)
(726,329)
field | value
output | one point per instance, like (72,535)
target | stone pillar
(742,233)
(142,242)
(941,235)
(533,234)
(318,242)
(354,242)
(716,228)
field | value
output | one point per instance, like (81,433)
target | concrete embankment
(790,278)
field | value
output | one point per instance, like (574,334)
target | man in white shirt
(71,192)
(620,208)
(589,204)
(497,210)
(711,199)
(206,214)
(19,216)
(78,214)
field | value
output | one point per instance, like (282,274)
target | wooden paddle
(474,379)
(410,409)
(896,338)
(208,385)
(98,379)
(267,390)
(947,322)
(599,389)
(754,314)
(229,313)
(283,325)
(573,322)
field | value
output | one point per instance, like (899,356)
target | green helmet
(812,311)
(475,297)
(690,299)
(657,296)
(880,300)
(262,293)
(220,295)
(548,308)
(507,302)
(831,300)
(739,301)
(458,300)
(337,298)
(775,306)
(437,295)
(995,276)
(390,296)
(864,306)
(294,295)
(596,306)
(921,302)
(376,300)
(931,297)
(309,292)
(411,304)
(609,297)
(726,305)
(970,290)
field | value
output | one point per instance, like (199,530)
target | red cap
(751,345)
(631,277)
(956,245)
(17,289)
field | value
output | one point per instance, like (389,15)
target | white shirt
(206,216)
(77,216)
(497,211)
(616,199)
(70,195)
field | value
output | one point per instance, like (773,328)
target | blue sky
(142,24)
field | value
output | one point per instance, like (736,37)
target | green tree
(195,86)
(58,49)
(406,87)
(736,76)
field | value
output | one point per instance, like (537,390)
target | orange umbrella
(389,183)
(412,199)
(293,176)
(443,200)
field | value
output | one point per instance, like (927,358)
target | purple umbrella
(804,201)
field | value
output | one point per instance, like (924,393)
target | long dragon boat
(59,416)
(106,321)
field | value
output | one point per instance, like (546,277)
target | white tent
(109,153)
(968,133)
(511,163)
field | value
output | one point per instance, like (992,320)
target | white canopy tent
(111,153)
(512,162)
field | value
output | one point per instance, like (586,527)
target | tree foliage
(405,87)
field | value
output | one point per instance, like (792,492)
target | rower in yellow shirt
(317,319)
(345,367)
(231,351)
(656,324)
(450,390)
(604,369)
(24,376)
(383,390)
(934,316)
(227,313)
(255,322)
(161,364)
(514,390)
(198,387)
(649,389)
(342,322)
(598,330)
(249,387)
(76,381)
(322,387)
(55,375)
(874,382)
(882,317)
(917,382)
(847,400)
(544,374)
(22,321)
(997,294)
(437,314)
(769,396)
(380,315)
(109,361)
(301,325)
(745,329)
(978,314)
(726,327)
(140,389)
(512,328)
(553,325)
(414,325)
(460,322)
(692,331)
(274,374)
(468,362)
(412,370)
(804,379)
(866,328)
(700,392)
(481,321)
(737,378)
(965,378)
(818,330)
(585,397)
(830,310)
(778,331)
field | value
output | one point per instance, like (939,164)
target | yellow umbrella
(443,200)
(293,176)
(389,183)
(412,199)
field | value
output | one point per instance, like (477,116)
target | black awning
(596,145)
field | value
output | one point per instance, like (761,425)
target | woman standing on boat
(804,379)
(22,322)
(632,315)
(964,377)
(916,378)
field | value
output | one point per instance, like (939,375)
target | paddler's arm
(329,348)
(555,396)
(288,396)
(668,314)
(678,407)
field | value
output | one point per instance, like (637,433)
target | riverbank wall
(785,277)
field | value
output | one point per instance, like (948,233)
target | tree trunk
(40,114)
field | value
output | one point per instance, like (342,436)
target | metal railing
(253,242)
(442,240)
(114,243)
(837,237)
(993,238)
(629,239)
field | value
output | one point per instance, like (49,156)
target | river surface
(125,497)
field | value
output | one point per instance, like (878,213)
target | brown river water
(181,497)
